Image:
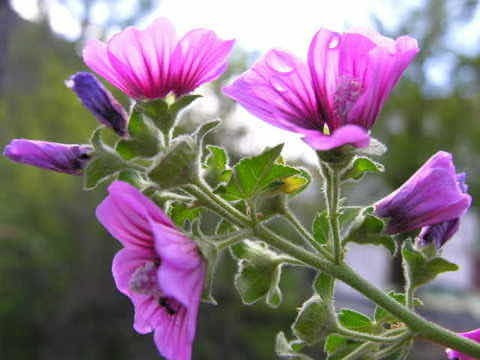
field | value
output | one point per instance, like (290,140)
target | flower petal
(344,135)
(200,56)
(127,214)
(278,89)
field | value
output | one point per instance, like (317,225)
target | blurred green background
(57,298)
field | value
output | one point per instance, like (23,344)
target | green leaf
(383,316)
(210,254)
(104,163)
(180,213)
(285,349)
(354,320)
(181,103)
(314,320)
(133,177)
(216,166)
(177,166)
(204,129)
(158,112)
(320,228)
(360,166)
(323,285)
(369,230)
(143,138)
(421,269)
(337,346)
(259,273)
(253,175)
(375,148)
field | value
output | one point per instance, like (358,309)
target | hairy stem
(417,324)
(369,337)
(332,200)
(306,235)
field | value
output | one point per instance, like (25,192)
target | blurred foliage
(57,298)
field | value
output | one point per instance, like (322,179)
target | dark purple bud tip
(64,158)
(99,101)
(438,234)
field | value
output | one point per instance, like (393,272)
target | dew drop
(277,63)
(278,85)
(334,42)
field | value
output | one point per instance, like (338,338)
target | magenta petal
(278,89)
(126,213)
(173,339)
(125,262)
(345,135)
(457,355)
(200,56)
(435,193)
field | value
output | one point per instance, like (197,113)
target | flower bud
(64,158)
(99,101)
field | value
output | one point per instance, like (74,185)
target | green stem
(356,335)
(333,198)
(359,351)
(417,324)
(232,239)
(305,234)
(389,350)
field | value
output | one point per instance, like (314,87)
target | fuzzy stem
(417,324)
(356,335)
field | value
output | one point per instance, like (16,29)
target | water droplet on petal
(278,84)
(334,42)
(278,63)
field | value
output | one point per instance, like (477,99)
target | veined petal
(344,135)
(126,213)
(432,195)
(125,263)
(278,89)
(200,56)
(95,55)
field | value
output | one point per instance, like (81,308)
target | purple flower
(99,101)
(159,269)
(433,195)
(64,158)
(335,97)
(150,63)
(455,355)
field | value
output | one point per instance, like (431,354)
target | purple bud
(439,234)
(99,101)
(457,355)
(433,195)
(64,158)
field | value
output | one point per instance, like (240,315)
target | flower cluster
(332,100)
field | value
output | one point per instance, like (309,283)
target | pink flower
(150,63)
(455,355)
(159,269)
(335,97)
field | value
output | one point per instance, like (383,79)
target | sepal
(419,268)
(289,350)
(104,163)
(259,273)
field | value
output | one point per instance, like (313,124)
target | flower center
(144,280)
(346,94)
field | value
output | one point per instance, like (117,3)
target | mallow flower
(99,101)
(64,158)
(456,355)
(150,63)
(434,198)
(332,99)
(159,269)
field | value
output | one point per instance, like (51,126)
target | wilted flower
(150,63)
(433,195)
(64,158)
(99,101)
(334,98)
(159,269)
(456,355)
